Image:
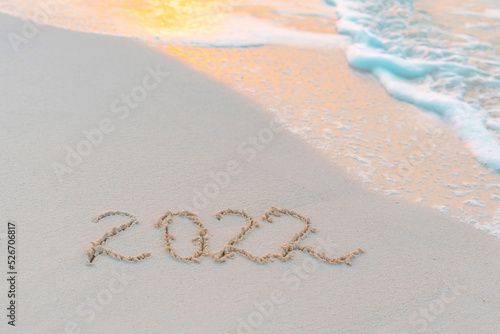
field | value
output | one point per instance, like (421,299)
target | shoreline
(392,147)
(156,158)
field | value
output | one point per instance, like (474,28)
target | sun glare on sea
(173,15)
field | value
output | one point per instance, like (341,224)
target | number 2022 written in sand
(228,251)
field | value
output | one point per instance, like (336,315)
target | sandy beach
(93,123)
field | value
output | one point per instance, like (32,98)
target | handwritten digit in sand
(201,240)
(97,247)
(294,244)
(229,249)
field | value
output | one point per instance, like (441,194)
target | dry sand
(420,272)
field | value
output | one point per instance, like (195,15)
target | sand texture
(186,146)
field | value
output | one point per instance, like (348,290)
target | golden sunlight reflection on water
(173,15)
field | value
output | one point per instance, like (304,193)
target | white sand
(62,83)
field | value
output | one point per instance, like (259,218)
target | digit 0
(202,239)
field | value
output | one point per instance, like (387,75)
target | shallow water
(419,60)
(442,56)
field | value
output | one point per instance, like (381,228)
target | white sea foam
(247,31)
(422,64)
(493,227)
(488,13)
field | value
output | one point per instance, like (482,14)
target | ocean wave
(454,75)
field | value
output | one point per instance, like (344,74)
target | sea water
(443,56)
